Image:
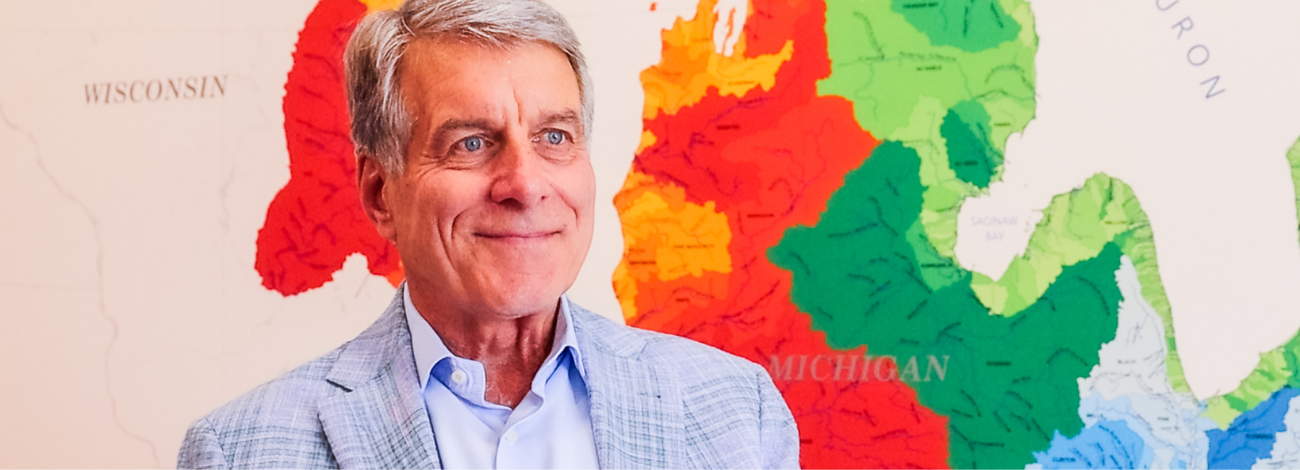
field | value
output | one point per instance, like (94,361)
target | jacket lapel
(379,419)
(636,415)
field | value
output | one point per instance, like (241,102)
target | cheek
(435,203)
(579,193)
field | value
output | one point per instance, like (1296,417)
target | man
(471,120)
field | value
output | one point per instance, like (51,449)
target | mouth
(520,235)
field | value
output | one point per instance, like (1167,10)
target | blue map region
(1252,435)
(1094,408)
(1108,444)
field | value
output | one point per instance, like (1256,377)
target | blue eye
(472,144)
(555,137)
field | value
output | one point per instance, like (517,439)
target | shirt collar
(429,349)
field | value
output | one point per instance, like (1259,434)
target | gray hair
(381,126)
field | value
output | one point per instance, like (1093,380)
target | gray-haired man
(470,119)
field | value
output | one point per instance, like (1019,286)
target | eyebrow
(567,116)
(458,124)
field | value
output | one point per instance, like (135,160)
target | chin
(513,300)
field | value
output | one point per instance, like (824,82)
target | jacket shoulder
(300,387)
(272,425)
(702,372)
(277,424)
(733,414)
(684,355)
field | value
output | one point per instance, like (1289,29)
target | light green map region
(904,85)
(1293,157)
(972,26)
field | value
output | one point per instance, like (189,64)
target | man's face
(493,213)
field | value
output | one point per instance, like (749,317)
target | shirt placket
(515,448)
(467,381)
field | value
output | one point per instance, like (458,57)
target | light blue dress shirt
(550,428)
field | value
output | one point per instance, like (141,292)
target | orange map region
(315,222)
(761,159)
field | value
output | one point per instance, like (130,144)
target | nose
(518,176)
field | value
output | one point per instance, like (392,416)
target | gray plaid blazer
(657,401)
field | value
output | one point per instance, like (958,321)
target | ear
(372,183)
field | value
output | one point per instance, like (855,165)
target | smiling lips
(521,235)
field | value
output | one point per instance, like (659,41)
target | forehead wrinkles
(461,80)
(433,81)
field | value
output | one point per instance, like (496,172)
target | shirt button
(512,436)
(459,376)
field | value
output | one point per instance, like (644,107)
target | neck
(511,349)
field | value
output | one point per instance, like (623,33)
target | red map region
(315,222)
(770,160)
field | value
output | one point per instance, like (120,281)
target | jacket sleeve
(201,448)
(778,435)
